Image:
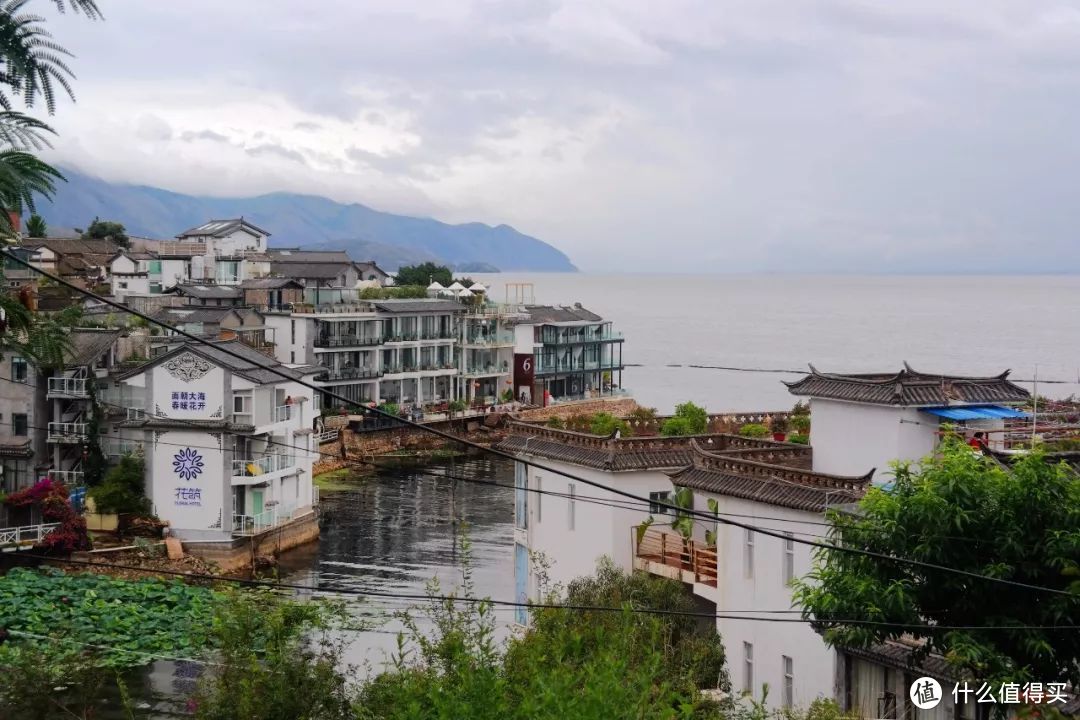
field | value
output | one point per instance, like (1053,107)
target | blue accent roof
(975,412)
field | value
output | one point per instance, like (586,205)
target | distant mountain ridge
(304,221)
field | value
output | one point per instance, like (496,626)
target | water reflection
(395,531)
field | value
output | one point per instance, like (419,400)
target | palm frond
(33,63)
(88,8)
(22,176)
(22,132)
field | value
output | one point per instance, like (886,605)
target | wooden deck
(692,560)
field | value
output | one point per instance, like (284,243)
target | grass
(341,479)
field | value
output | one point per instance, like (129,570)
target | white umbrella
(435,286)
(456,286)
(464,292)
(477,287)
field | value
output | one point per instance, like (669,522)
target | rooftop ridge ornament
(187,367)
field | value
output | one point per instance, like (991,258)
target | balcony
(579,338)
(401,337)
(343,341)
(487,371)
(436,335)
(116,448)
(673,556)
(352,373)
(263,466)
(497,339)
(283,413)
(269,518)
(67,432)
(575,366)
(64,387)
(69,478)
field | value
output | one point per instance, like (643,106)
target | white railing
(72,387)
(75,431)
(118,448)
(70,478)
(327,436)
(268,518)
(262,466)
(25,534)
(135,413)
(282,413)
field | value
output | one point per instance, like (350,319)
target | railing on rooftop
(695,561)
(67,432)
(490,339)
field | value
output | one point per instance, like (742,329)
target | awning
(976,412)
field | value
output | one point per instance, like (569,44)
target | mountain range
(296,220)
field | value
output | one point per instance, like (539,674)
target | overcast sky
(683,135)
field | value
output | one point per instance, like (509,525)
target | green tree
(689,419)
(36,227)
(124,488)
(94,462)
(603,423)
(424,274)
(961,510)
(106,230)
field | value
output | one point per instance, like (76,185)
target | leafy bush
(457,406)
(800,408)
(52,498)
(799,439)
(643,414)
(689,419)
(801,423)
(390,409)
(778,424)
(392,293)
(603,423)
(555,422)
(753,430)
(124,488)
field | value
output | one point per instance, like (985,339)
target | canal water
(395,531)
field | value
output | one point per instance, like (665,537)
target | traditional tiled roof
(205,291)
(16,449)
(272,283)
(221,228)
(194,314)
(549,314)
(88,345)
(310,270)
(418,305)
(645,453)
(901,654)
(251,365)
(297,255)
(734,476)
(909,388)
(74,246)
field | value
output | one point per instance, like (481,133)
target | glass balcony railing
(262,466)
(68,387)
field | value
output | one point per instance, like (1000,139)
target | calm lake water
(969,324)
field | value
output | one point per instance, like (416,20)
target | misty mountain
(305,221)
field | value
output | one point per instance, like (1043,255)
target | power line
(723,615)
(547,468)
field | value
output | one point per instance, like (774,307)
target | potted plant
(779,427)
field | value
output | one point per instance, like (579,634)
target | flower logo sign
(188,464)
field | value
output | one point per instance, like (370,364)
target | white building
(235,250)
(486,360)
(130,273)
(228,444)
(870,420)
(760,479)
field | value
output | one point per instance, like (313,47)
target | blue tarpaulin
(976,412)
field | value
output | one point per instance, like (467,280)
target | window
(748,555)
(539,497)
(123,285)
(748,667)
(316,402)
(18,424)
(789,681)
(655,498)
(292,331)
(570,491)
(155,267)
(292,357)
(240,403)
(18,369)
(521,496)
(789,558)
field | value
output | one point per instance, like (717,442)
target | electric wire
(291,377)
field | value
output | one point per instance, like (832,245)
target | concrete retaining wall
(239,553)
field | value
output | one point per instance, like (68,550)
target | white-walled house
(235,249)
(228,444)
(572,525)
(865,421)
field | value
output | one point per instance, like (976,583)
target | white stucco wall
(765,589)
(236,241)
(850,438)
(189,500)
(292,338)
(523,339)
(599,529)
(173,271)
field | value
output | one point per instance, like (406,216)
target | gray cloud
(699,134)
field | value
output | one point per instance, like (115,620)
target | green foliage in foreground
(963,510)
(130,617)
